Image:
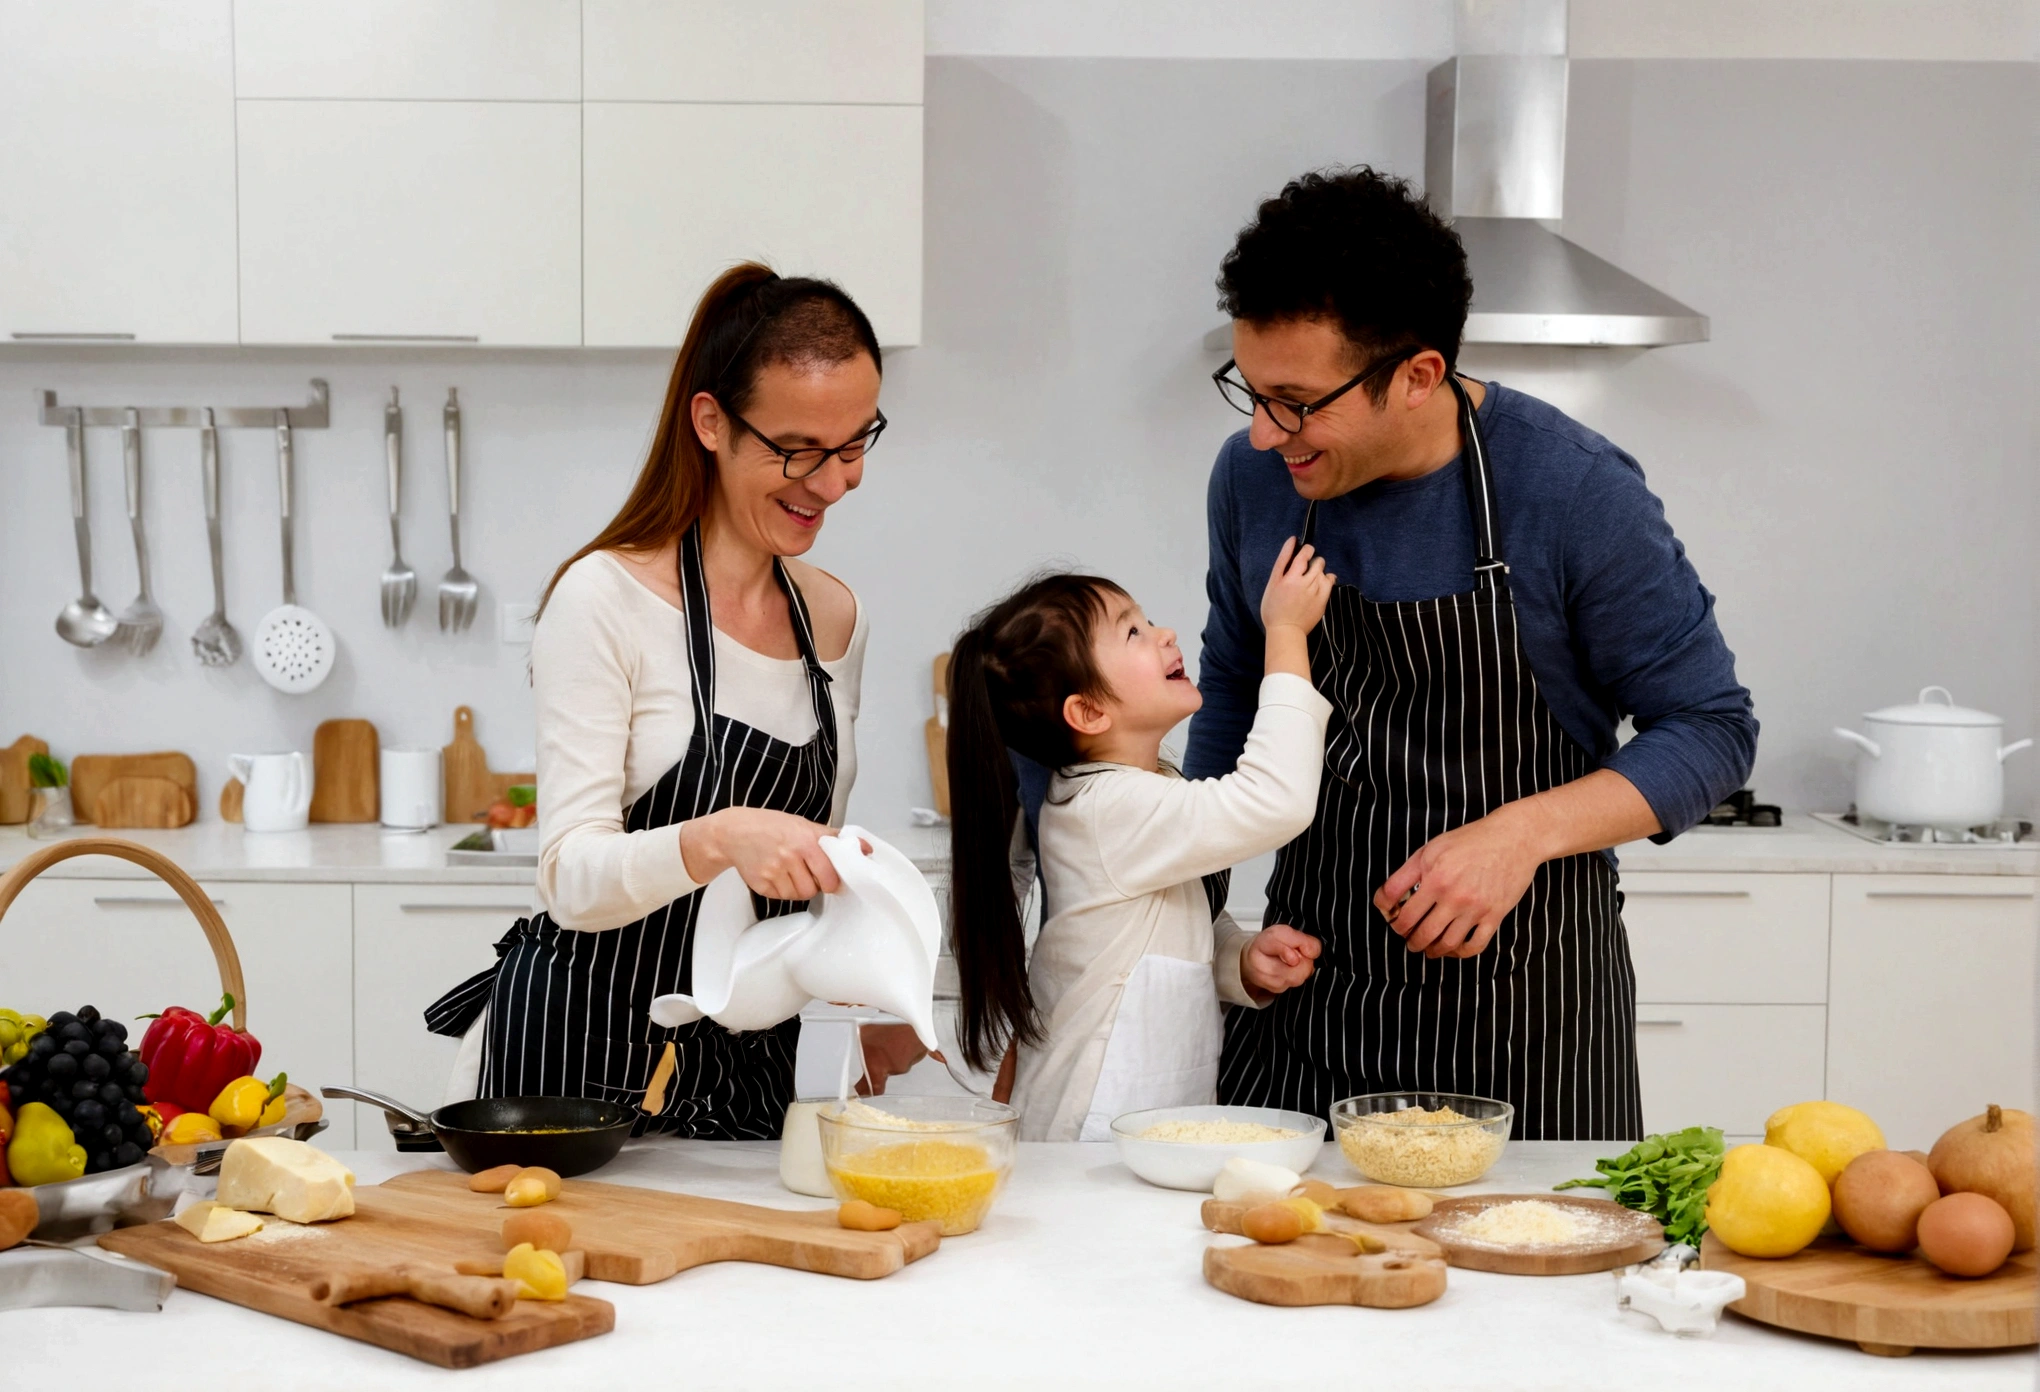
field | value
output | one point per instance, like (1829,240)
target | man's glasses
(1289,416)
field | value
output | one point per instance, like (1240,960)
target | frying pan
(567,1135)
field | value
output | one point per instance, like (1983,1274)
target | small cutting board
(91,773)
(636,1237)
(144,802)
(1886,1305)
(1224,1216)
(1319,1269)
(1622,1237)
(16,796)
(346,772)
(470,786)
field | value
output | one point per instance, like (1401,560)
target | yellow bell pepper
(240,1103)
(189,1128)
(540,1274)
(271,1114)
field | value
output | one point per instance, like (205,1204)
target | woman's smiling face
(796,406)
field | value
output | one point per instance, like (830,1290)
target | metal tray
(511,848)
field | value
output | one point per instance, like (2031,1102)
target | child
(1119,1008)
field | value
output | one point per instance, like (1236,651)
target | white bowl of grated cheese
(1186,1147)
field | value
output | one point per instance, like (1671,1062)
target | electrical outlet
(514,622)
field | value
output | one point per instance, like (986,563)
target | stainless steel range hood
(1494,163)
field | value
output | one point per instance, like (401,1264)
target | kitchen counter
(1082,1276)
(366,854)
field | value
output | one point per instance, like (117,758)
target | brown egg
(1966,1234)
(1879,1198)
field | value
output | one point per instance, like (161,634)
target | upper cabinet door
(434,221)
(676,193)
(117,170)
(760,51)
(422,50)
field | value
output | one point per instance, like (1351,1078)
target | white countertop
(366,854)
(1082,1276)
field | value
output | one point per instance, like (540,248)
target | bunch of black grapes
(82,1068)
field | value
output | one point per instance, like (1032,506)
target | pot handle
(1947,696)
(1869,745)
(2011,749)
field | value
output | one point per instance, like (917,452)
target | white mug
(411,789)
(276,790)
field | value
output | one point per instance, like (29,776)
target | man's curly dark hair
(1359,248)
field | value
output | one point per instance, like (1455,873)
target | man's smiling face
(1349,443)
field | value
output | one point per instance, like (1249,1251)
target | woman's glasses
(800,463)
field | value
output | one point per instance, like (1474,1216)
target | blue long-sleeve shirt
(1614,620)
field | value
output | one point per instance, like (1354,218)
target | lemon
(1826,1135)
(1767,1203)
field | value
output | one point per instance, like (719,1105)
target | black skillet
(567,1135)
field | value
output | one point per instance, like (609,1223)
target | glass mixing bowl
(930,1159)
(1380,1139)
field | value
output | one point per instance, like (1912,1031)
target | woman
(696,696)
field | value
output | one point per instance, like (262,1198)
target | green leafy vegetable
(521,794)
(45,772)
(1665,1176)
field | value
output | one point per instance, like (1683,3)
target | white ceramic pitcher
(276,790)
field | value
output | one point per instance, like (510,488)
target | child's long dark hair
(1009,675)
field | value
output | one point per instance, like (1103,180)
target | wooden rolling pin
(478,1296)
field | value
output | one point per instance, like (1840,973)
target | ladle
(85,621)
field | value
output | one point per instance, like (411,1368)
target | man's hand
(1277,959)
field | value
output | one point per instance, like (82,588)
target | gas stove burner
(2006,831)
(1743,810)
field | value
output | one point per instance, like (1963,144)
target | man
(1509,590)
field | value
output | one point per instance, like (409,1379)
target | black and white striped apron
(1436,722)
(569,1011)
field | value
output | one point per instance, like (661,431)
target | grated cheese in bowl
(1216,1132)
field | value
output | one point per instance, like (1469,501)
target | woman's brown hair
(748,318)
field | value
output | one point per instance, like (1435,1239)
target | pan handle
(396,1109)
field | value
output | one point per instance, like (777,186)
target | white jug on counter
(276,790)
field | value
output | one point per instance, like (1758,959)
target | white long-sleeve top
(610,675)
(1123,856)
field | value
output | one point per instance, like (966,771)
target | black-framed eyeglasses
(800,463)
(1289,416)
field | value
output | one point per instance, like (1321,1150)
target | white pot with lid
(1931,764)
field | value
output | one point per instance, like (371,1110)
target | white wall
(1850,461)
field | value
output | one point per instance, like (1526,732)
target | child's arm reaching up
(1298,589)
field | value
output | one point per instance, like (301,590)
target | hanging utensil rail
(313,416)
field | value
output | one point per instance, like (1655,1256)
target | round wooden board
(1636,1237)
(1885,1304)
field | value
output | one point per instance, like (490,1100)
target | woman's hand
(1298,588)
(778,854)
(1277,959)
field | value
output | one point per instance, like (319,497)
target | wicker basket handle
(164,869)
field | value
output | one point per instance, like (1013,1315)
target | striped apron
(1436,722)
(569,1011)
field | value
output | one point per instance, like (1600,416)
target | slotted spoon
(214,641)
(293,647)
(141,623)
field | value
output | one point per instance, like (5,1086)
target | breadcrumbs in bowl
(1422,1140)
(930,1159)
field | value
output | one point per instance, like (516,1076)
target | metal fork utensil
(141,623)
(399,581)
(84,621)
(215,642)
(458,591)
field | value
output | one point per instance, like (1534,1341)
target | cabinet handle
(1686,893)
(1944,896)
(407,338)
(465,908)
(1660,1024)
(73,337)
(143,901)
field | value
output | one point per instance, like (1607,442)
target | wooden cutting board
(278,1278)
(143,802)
(1319,1269)
(1223,1216)
(470,786)
(16,796)
(937,735)
(90,773)
(346,772)
(636,1237)
(1625,1237)
(1886,1305)
(230,800)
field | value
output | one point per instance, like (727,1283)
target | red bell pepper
(192,1056)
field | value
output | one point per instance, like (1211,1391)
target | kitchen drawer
(1727,1065)
(130,947)
(760,51)
(1931,1009)
(412,944)
(447,50)
(1728,939)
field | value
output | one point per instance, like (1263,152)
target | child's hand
(1276,959)
(1298,589)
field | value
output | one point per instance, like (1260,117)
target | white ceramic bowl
(1185,1165)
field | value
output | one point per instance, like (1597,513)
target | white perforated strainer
(293,648)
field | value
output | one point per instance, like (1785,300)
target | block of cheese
(270,1174)
(213,1222)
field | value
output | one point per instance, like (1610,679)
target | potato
(546,1231)
(493,1181)
(1273,1224)
(18,1216)
(1966,1234)
(1383,1203)
(1879,1197)
(860,1216)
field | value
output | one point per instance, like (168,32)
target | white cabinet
(412,944)
(117,171)
(1931,999)
(1727,1065)
(760,51)
(131,946)
(1731,939)
(444,50)
(431,221)
(676,193)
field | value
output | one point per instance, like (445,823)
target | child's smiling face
(1151,692)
